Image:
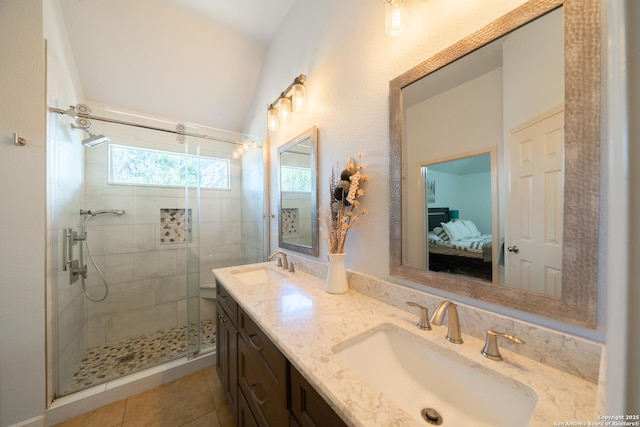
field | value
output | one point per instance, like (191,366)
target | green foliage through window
(142,166)
(295,179)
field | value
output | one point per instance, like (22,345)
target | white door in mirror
(535,197)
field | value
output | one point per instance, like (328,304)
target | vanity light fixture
(292,99)
(396,17)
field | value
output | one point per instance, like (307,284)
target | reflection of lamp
(396,17)
(454,214)
(292,99)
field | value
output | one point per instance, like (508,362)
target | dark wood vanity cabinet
(308,408)
(227,345)
(262,374)
(261,386)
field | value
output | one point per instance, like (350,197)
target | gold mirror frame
(577,304)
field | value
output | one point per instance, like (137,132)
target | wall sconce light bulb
(284,107)
(298,93)
(273,121)
(396,17)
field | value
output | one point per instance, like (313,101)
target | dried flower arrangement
(345,210)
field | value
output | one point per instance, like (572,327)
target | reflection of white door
(533,247)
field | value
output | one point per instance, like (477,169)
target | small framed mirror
(298,201)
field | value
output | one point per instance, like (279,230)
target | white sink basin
(258,276)
(417,374)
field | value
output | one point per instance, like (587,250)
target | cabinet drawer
(245,417)
(227,302)
(265,393)
(308,408)
(266,351)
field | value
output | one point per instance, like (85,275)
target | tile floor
(105,363)
(196,400)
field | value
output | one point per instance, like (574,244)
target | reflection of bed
(470,255)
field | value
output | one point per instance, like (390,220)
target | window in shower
(295,179)
(143,166)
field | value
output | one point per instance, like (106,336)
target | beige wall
(22,217)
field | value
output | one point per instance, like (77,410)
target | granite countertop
(307,323)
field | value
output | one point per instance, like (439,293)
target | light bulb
(284,108)
(273,122)
(298,93)
(396,17)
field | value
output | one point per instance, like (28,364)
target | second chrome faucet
(454,334)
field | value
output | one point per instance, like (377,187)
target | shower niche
(137,222)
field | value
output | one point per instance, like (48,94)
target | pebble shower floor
(105,363)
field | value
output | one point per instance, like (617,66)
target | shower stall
(140,210)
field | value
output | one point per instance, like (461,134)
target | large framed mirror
(494,163)
(298,198)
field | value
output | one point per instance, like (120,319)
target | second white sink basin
(418,374)
(258,275)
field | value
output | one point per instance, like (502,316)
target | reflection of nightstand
(454,214)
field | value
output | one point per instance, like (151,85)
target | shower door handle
(66,248)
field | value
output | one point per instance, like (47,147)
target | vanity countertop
(306,323)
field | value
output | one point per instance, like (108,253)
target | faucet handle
(279,261)
(423,323)
(292,268)
(491,350)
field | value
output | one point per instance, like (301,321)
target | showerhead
(94,140)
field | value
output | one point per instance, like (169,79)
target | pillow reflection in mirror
(455,230)
(471,227)
(439,231)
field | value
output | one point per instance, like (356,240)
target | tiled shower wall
(300,230)
(146,277)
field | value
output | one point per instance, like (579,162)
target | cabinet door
(308,408)
(221,345)
(227,351)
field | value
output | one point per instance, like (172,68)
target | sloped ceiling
(193,60)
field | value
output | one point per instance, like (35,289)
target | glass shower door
(192,249)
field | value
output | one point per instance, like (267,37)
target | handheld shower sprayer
(88,215)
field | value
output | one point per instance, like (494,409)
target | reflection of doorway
(466,192)
(533,249)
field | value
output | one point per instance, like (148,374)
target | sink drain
(431,416)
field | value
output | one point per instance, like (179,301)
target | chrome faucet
(423,323)
(491,350)
(453,335)
(282,261)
